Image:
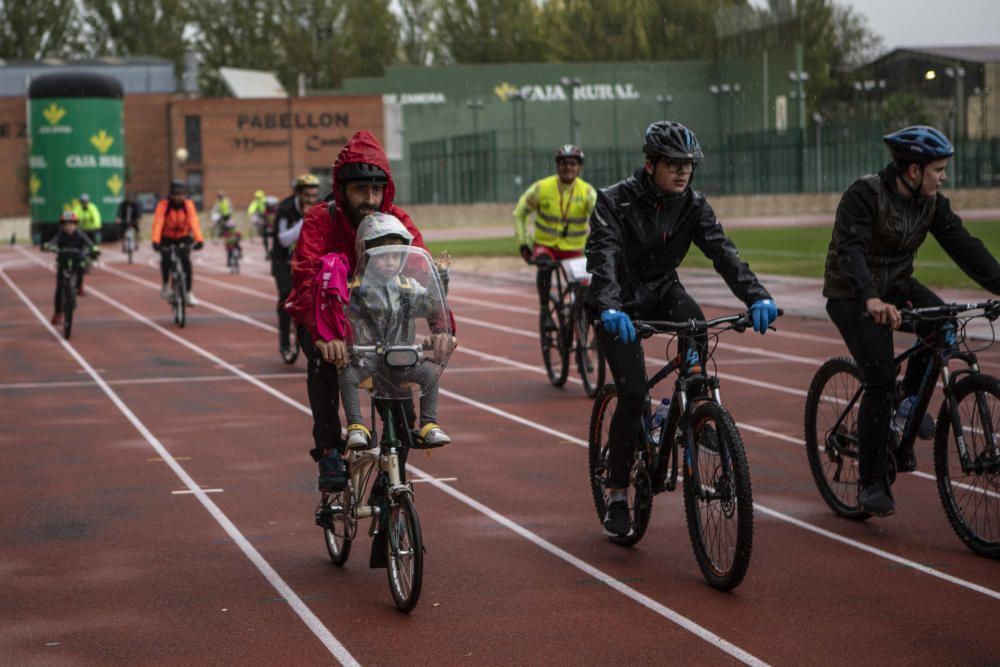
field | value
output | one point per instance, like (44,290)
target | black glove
(525,251)
(198,245)
(156,247)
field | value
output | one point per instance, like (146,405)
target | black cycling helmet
(178,188)
(353,172)
(569,150)
(668,140)
(918,143)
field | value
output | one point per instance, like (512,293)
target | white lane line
(435,479)
(845,540)
(283,589)
(667,613)
(187,491)
(161,380)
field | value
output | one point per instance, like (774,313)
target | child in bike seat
(231,237)
(376,315)
(70,238)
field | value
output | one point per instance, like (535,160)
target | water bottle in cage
(659,419)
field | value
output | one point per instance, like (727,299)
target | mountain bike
(178,283)
(233,260)
(566,311)
(718,500)
(966,451)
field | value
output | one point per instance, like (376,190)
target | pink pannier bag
(331,296)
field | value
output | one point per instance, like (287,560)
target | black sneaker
(876,499)
(617,522)
(332,473)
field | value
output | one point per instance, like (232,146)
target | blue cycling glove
(763,313)
(618,324)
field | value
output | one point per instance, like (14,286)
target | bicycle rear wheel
(555,347)
(68,306)
(180,302)
(640,496)
(338,529)
(405,553)
(831,435)
(718,502)
(129,244)
(589,356)
(972,499)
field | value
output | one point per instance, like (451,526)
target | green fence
(486,168)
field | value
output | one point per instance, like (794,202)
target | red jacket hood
(364,147)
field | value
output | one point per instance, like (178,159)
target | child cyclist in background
(232,237)
(374,313)
(67,241)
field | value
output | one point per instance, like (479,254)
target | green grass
(797,251)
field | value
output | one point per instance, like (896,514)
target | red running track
(105,562)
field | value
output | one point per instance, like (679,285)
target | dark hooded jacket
(322,233)
(877,234)
(638,238)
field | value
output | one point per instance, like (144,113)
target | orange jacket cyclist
(562,204)
(175,223)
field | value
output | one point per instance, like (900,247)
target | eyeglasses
(678,165)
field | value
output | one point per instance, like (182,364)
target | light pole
(958,74)
(514,98)
(665,100)
(475,105)
(799,77)
(727,89)
(984,128)
(570,84)
(819,120)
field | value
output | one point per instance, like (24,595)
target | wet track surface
(109,556)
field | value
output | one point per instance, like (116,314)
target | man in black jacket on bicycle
(291,212)
(640,231)
(881,222)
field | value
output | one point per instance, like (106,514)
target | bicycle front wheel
(971,498)
(555,347)
(640,496)
(68,306)
(180,302)
(405,553)
(589,356)
(718,501)
(831,430)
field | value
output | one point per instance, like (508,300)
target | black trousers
(871,346)
(184,251)
(324,400)
(628,371)
(282,272)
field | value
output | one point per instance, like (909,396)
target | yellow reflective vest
(561,218)
(89,218)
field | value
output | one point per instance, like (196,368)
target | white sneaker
(358,437)
(165,292)
(435,437)
(190,300)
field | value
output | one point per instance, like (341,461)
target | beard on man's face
(356,215)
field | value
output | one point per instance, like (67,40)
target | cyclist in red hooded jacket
(362,184)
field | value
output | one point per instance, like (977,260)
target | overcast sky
(930,22)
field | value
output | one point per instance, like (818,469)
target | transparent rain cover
(398,307)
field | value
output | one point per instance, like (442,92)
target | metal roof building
(137,75)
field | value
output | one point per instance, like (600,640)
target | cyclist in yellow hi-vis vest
(562,205)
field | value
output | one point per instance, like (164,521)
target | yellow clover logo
(102,141)
(54,113)
(504,90)
(114,184)
(35,185)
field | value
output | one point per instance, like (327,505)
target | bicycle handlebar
(647,328)
(991,310)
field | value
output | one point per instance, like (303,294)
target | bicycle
(389,502)
(178,284)
(70,262)
(566,309)
(233,260)
(718,500)
(966,452)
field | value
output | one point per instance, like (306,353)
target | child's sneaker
(56,319)
(358,437)
(432,435)
(332,473)
(165,292)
